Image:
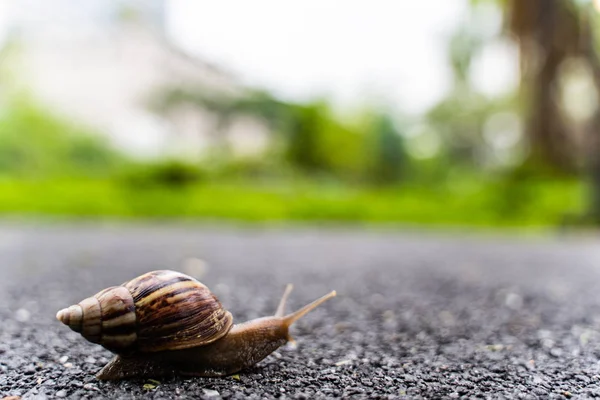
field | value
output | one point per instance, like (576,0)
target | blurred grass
(51,166)
(472,202)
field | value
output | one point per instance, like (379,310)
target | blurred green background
(528,156)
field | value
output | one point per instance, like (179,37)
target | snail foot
(133,367)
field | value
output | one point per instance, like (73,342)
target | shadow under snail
(165,322)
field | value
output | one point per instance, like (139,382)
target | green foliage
(269,168)
(469,201)
(170,173)
(463,46)
(459,119)
(34,143)
(80,175)
(319,143)
(309,137)
(307,124)
(320,166)
(390,160)
(502,3)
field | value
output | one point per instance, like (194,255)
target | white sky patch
(353,52)
(495,71)
(3,21)
(350,51)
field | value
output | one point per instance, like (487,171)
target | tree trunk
(593,130)
(593,161)
(548,135)
(545,30)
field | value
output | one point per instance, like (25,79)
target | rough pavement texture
(417,315)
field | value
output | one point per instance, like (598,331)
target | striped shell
(160,310)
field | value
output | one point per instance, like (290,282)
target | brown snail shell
(157,311)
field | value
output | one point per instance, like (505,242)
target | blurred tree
(464,45)
(35,143)
(548,32)
(171,173)
(308,136)
(305,127)
(459,117)
(590,38)
(390,159)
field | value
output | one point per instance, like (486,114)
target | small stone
(556,352)
(537,380)
(547,343)
(90,386)
(29,370)
(68,365)
(22,315)
(343,362)
(90,360)
(495,347)
(513,301)
(61,393)
(211,393)
(63,359)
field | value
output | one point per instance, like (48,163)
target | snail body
(165,322)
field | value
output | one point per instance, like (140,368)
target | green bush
(35,143)
(167,173)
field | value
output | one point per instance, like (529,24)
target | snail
(165,323)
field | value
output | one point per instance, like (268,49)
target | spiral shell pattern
(160,310)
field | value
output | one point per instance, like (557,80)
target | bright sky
(350,50)
(3,19)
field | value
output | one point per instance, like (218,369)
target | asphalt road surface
(418,315)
